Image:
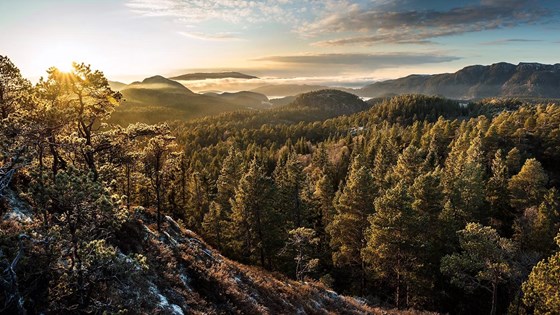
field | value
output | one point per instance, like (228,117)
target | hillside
(157,99)
(280,90)
(330,100)
(181,274)
(525,80)
(212,75)
(116,85)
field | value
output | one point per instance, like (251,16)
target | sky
(337,42)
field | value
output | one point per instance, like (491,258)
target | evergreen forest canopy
(412,202)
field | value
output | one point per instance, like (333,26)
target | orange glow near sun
(60,55)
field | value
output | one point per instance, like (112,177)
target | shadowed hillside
(157,99)
(181,274)
(497,80)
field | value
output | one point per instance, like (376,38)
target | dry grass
(192,276)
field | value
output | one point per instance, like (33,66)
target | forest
(411,203)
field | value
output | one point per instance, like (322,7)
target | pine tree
(290,181)
(214,225)
(353,206)
(254,221)
(409,165)
(497,193)
(197,201)
(87,98)
(323,213)
(514,161)
(230,174)
(427,204)
(324,197)
(302,241)
(527,188)
(464,184)
(542,290)
(392,240)
(486,260)
(155,154)
(535,229)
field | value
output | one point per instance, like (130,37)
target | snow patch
(164,302)
(173,242)
(176,309)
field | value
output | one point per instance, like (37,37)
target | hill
(157,99)
(116,85)
(242,98)
(525,80)
(200,281)
(212,75)
(330,100)
(279,90)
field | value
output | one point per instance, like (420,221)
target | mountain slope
(116,85)
(157,99)
(331,101)
(279,90)
(203,281)
(496,80)
(212,75)
(181,274)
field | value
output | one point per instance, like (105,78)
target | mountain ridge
(477,81)
(213,75)
(157,99)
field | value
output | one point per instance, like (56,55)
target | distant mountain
(116,85)
(160,83)
(212,75)
(280,90)
(157,99)
(330,100)
(525,80)
(242,98)
(282,101)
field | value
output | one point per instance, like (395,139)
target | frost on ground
(19,210)
(164,302)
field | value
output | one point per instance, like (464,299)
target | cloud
(385,60)
(233,11)
(368,26)
(191,13)
(511,40)
(226,36)
(354,22)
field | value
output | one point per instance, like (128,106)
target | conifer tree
(485,261)
(497,193)
(409,166)
(155,154)
(197,201)
(528,187)
(536,228)
(542,290)
(215,225)
(353,206)
(427,204)
(290,181)
(514,161)
(464,184)
(391,241)
(254,221)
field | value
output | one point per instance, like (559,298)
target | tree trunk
(494,298)
(398,291)
(128,197)
(158,194)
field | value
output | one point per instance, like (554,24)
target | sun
(60,55)
(65,66)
